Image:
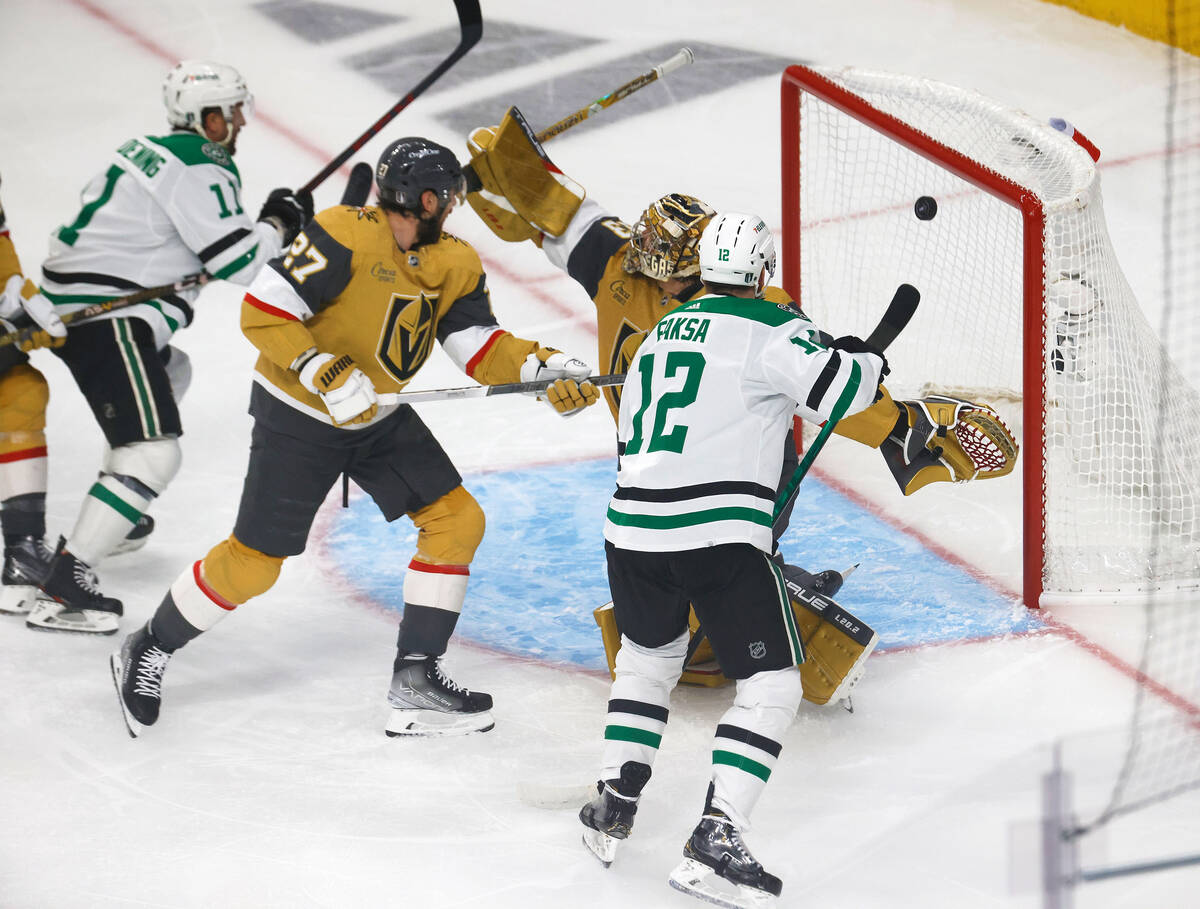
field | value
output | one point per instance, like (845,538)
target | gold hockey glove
(512,165)
(949,439)
(346,391)
(571,392)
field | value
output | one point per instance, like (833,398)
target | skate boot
(137,671)
(136,538)
(25,565)
(608,818)
(426,701)
(75,602)
(718,868)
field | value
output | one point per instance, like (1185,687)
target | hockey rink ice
(268,781)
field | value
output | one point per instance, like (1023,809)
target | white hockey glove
(346,391)
(570,393)
(14,304)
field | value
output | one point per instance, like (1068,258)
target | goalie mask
(663,242)
(412,165)
(737,250)
(195,86)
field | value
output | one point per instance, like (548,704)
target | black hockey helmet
(412,165)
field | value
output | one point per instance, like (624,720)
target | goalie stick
(199,279)
(470,22)
(682,57)
(484,391)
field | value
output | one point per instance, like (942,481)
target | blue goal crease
(540,571)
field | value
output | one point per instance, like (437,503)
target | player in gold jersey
(343,320)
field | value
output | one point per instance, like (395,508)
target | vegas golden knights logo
(625,347)
(407,335)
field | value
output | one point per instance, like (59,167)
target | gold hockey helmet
(663,242)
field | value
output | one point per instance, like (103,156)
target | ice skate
(608,818)
(137,671)
(136,538)
(75,602)
(426,701)
(25,566)
(718,868)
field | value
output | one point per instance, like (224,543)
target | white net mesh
(1108,502)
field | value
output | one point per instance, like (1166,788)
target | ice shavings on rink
(540,570)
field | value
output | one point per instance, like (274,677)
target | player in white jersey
(161,208)
(710,395)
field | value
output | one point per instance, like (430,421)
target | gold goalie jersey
(344,287)
(627,305)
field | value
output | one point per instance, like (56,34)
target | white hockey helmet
(737,249)
(195,85)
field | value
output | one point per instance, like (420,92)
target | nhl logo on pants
(758,650)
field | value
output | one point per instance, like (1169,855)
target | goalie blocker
(836,643)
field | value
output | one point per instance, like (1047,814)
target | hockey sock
(23,516)
(110,510)
(639,702)
(749,740)
(433,599)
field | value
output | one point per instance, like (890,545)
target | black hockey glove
(289,211)
(852,344)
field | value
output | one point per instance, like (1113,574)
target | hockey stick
(470,21)
(682,57)
(484,391)
(199,279)
(895,318)
(358,187)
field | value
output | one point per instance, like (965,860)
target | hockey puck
(925,208)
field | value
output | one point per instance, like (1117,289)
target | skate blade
(601,845)
(697,879)
(135,728)
(17,599)
(412,721)
(49,615)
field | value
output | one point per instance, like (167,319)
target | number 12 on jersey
(691,364)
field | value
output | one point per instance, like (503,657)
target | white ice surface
(269,783)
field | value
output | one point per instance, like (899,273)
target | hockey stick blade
(358,187)
(470,22)
(485,391)
(198,279)
(895,317)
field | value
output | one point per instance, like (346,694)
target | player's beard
(429,229)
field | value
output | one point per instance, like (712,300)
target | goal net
(998,220)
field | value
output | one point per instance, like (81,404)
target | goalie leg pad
(836,642)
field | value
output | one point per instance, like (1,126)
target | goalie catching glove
(940,438)
(22,306)
(520,194)
(570,392)
(346,391)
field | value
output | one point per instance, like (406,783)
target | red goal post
(1022,302)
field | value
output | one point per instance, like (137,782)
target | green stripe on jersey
(632,734)
(192,148)
(70,233)
(689,519)
(741,762)
(756,310)
(237,264)
(116,503)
